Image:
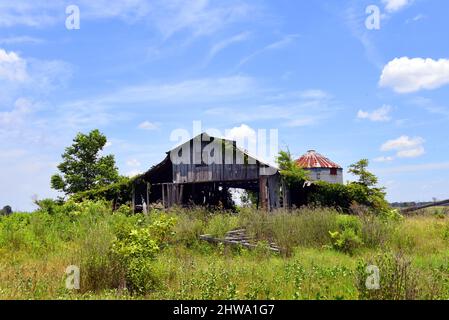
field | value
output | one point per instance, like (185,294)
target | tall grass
(36,248)
(305,227)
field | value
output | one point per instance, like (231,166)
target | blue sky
(138,70)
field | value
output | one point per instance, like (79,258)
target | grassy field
(159,256)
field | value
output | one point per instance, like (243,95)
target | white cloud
(199,17)
(401,143)
(411,153)
(430,106)
(395,5)
(20,39)
(41,13)
(120,104)
(260,144)
(289,109)
(354,18)
(379,115)
(28,13)
(133,163)
(218,47)
(129,11)
(12,67)
(302,121)
(405,146)
(314,94)
(383,159)
(193,91)
(285,41)
(133,173)
(30,76)
(22,107)
(407,75)
(147,125)
(244,135)
(416,18)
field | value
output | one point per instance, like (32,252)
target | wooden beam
(435,204)
(163,195)
(148,194)
(133,199)
(263,194)
(211,239)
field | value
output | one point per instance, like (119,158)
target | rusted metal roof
(313,159)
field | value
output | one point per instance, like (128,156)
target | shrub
(347,222)
(330,195)
(397,278)
(136,249)
(347,237)
(391,215)
(345,241)
(344,197)
(15,233)
(6,211)
(49,206)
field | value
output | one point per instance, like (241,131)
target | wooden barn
(201,171)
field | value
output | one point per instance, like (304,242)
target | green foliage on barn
(341,196)
(119,193)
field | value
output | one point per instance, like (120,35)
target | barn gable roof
(159,171)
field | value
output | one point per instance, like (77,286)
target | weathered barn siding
(188,173)
(214,159)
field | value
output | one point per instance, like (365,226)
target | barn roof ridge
(167,157)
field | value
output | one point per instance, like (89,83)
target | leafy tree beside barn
(84,167)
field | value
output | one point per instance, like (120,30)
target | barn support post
(148,194)
(263,194)
(169,195)
(163,195)
(181,194)
(133,199)
(176,193)
(274,189)
(286,201)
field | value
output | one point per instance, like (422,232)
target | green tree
(290,171)
(359,169)
(375,195)
(248,198)
(83,167)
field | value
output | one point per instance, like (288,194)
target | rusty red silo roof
(313,159)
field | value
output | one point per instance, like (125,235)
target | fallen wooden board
(209,238)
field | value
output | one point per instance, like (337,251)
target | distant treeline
(410,204)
